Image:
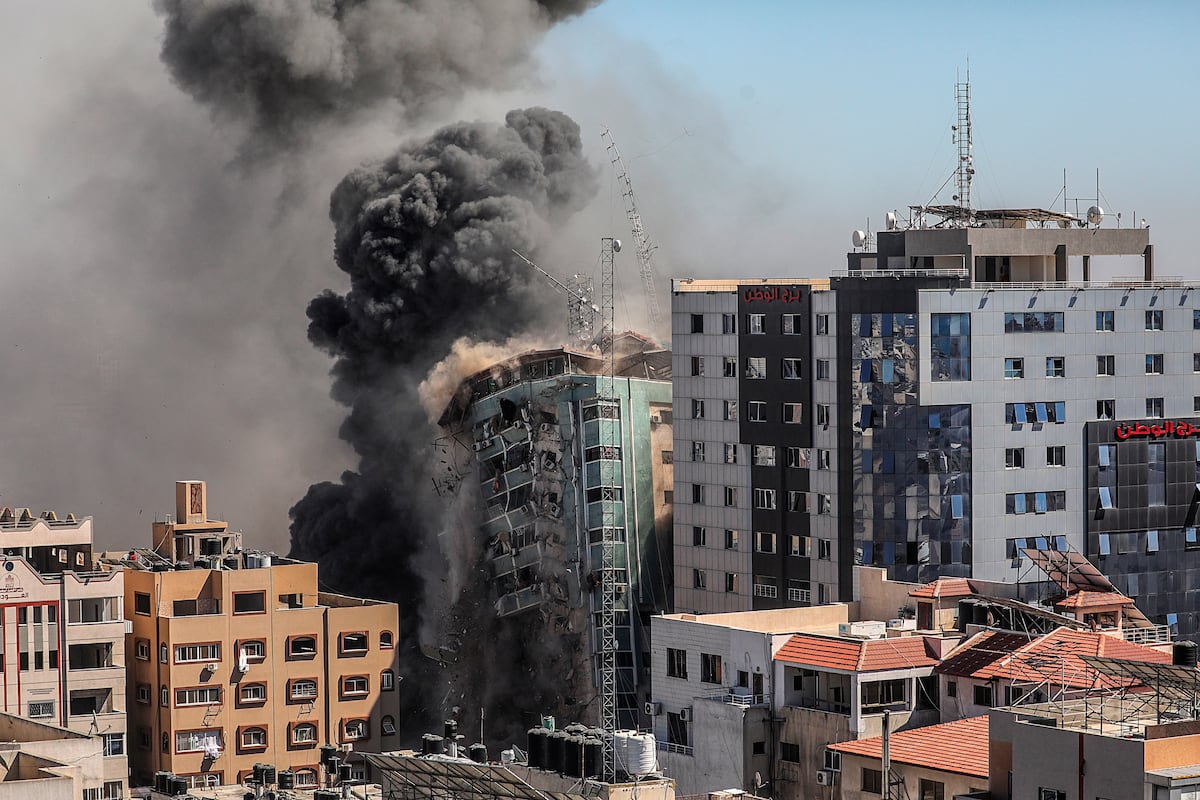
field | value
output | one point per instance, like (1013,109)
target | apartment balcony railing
(1158,634)
(681,749)
(735,699)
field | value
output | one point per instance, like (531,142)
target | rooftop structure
(239,658)
(42,760)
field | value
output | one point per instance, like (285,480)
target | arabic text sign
(1180,430)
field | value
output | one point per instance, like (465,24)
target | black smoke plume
(425,238)
(283,67)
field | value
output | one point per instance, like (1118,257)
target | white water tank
(643,754)
(507,756)
(621,750)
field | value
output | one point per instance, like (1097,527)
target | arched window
(302,689)
(254,738)
(304,733)
(387,680)
(306,777)
(389,726)
(385,640)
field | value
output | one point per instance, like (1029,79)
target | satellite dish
(891,220)
(616,245)
(1095,215)
(858,238)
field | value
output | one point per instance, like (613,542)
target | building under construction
(572,452)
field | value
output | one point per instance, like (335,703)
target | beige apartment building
(62,638)
(238,658)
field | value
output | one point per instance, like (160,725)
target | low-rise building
(239,658)
(48,762)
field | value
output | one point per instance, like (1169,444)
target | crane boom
(581,311)
(645,250)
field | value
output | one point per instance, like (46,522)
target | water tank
(593,757)
(575,729)
(1183,654)
(621,750)
(643,754)
(507,756)
(232,562)
(161,783)
(287,779)
(555,748)
(478,753)
(573,756)
(329,754)
(536,746)
(268,774)
(179,786)
(326,794)
(450,729)
(432,744)
(345,772)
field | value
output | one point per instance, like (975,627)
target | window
(143,693)
(950,346)
(697,451)
(756,323)
(1014,458)
(353,729)
(198,741)
(302,646)
(731,450)
(764,586)
(697,536)
(114,745)
(141,603)
(833,761)
(729,366)
(249,602)
(797,501)
(190,653)
(876,694)
(1056,367)
(823,415)
(302,689)
(253,649)
(764,541)
(1195,404)
(304,733)
(198,696)
(254,738)
(729,323)
(824,458)
(1106,409)
(698,493)
(756,411)
(710,668)
(731,410)
(164,696)
(824,549)
(387,680)
(1033,502)
(822,324)
(756,368)
(1105,320)
(249,693)
(983,695)
(41,710)
(1014,368)
(1056,456)
(791,369)
(764,455)
(697,323)
(1154,406)
(142,649)
(355,685)
(793,413)
(952,688)
(697,366)
(676,663)
(1154,319)
(1157,480)
(697,409)
(932,790)
(792,324)
(822,369)
(824,504)
(668,456)
(1106,365)
(798,545)
(764,498)
(872,781)
(1154,363)
(388,724)
(112,790)
(731,540)
(797,458)
(1050,794)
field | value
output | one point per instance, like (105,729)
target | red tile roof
(944,587)
(960,747)
(1093,599)
(1055,656)
(856,655)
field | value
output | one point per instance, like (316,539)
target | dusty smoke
(467,357)
(425,237)
(285,66)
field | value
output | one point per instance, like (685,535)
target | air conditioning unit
(243,663)
(212,667)
(685,714)
(552,509)
(545,427)
(524,466)
(653,709)
(619,588)
(826,777)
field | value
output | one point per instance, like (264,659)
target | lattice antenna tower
(641,239)
(607,655)
(966,157)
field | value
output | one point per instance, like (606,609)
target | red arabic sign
(1180,430)
(770,294)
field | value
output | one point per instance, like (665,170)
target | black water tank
(179,786)
(287,779)
(555,746)
(536,745)
(326,794)
(328,754)
(478,753)
(573,756)
(450,729)
(434,744)
(1183,654)
(575,729)
(345,772)
(268,774)
(161,782)
(593,757)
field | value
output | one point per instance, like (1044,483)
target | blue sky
(833,113)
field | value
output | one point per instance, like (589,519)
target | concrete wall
(849,785)
(812,731)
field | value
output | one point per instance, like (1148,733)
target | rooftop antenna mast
(966,158)
(581,311)
(606,667)
(641,240)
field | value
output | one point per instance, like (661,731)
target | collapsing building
(566,459)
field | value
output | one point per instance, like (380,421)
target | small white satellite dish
(616,245)
(1095,215)
(891,220)
(858,238)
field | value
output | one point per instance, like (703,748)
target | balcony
(741,700)
(1158,634)
(200,607)
(680,749)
